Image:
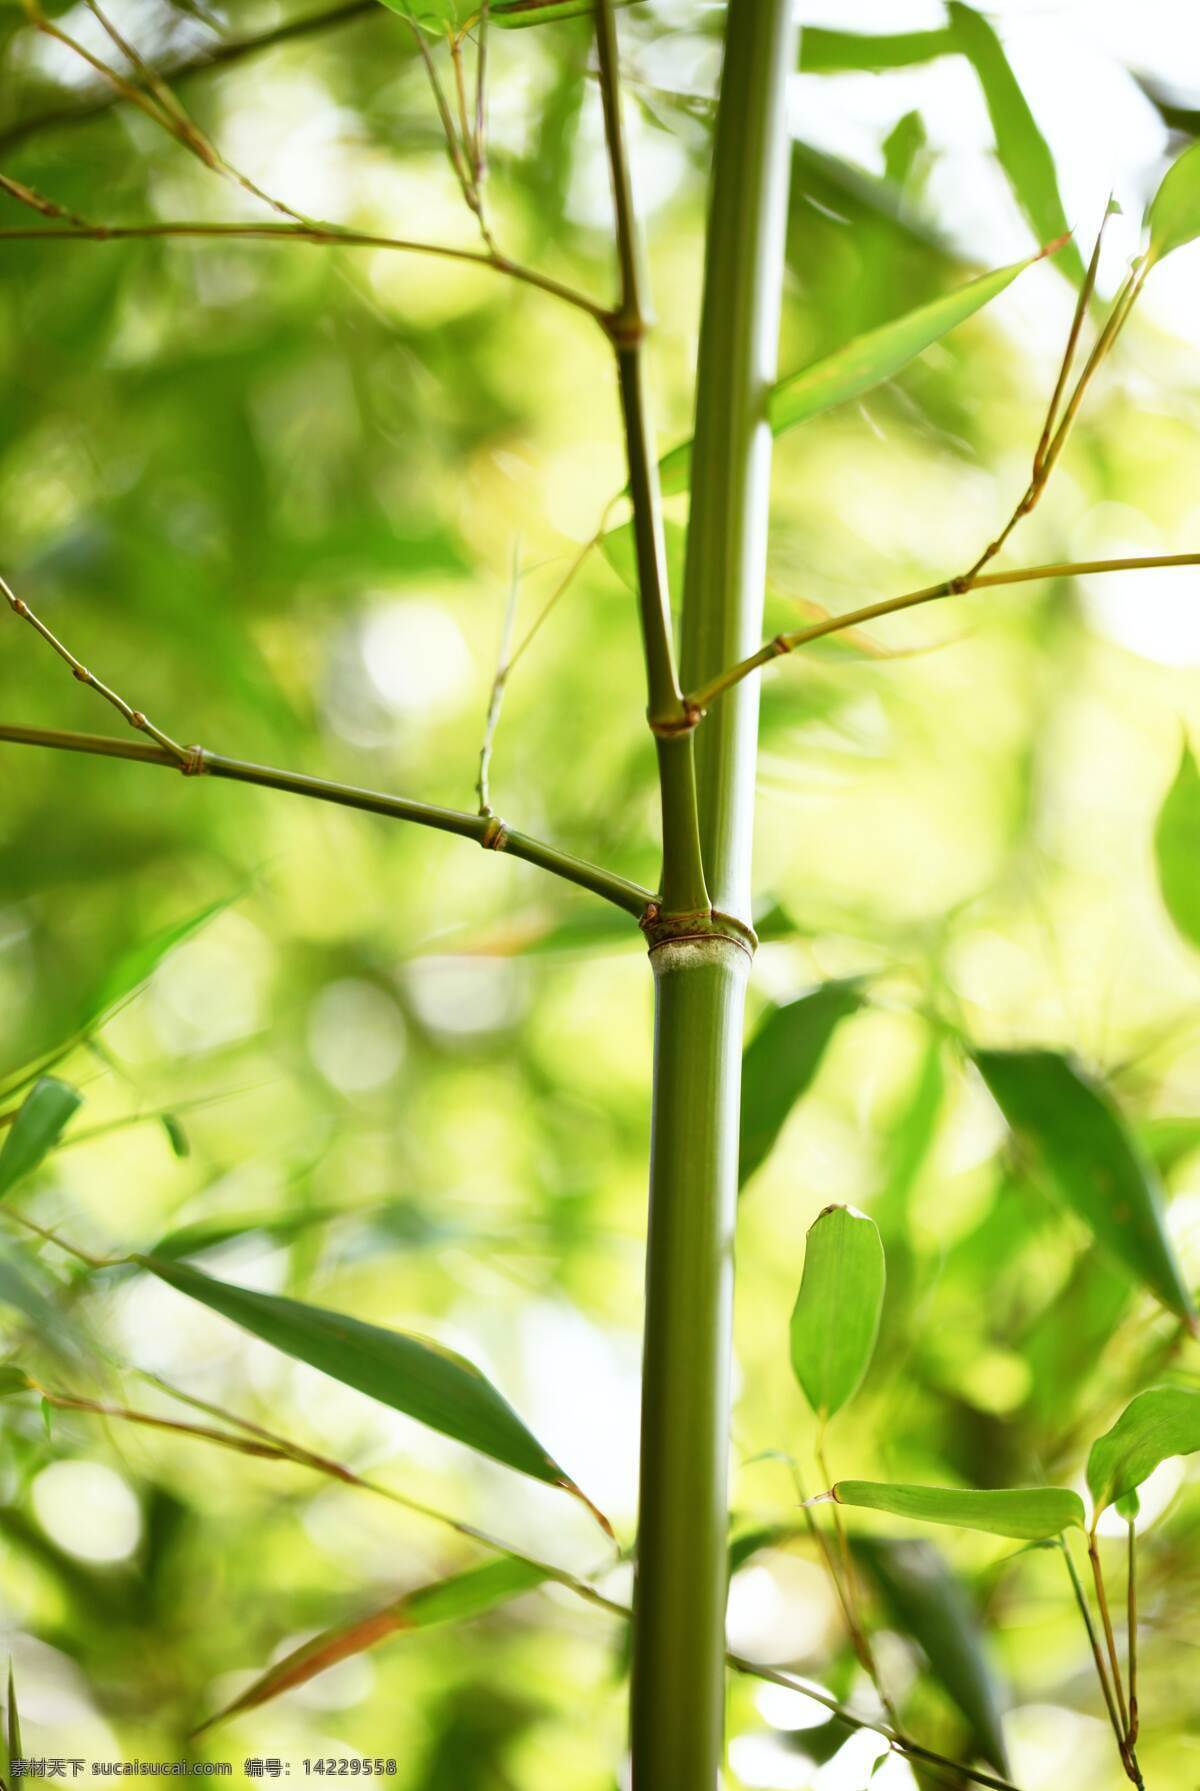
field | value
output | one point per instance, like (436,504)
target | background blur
(271,492)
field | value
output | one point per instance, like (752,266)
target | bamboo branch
(104,99)
(487,831)
(321,234)
(951,587)
(496,699)
(683,886)
(1131,1618)
(850,1600)
(1110,1641)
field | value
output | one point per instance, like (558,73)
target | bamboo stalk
(677,1694)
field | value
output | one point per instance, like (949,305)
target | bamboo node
(494,837)
(193,764)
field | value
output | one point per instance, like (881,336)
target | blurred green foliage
(270,493)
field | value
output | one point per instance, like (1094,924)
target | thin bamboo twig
(103,99)
(559,590)
(852,1603)
(503,666)
(1110,1640)
(782,644)
(487,831)
(1131,1617)
(323,235)
(1094,1642)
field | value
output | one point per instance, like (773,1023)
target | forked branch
(487,830)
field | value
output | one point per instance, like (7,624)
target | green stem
(677,1696)
(677,1709)
(731,455)
(485,830)
(1132,1621)
(683,885)
(1097,1652)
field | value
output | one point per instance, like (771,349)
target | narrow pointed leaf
(516,14)
(451,1600)
(1174,216)
(1162,1422)
(13,1737)
(836,1317)
(408,1373)
(1021,149)
(134,968)
(1177,848)
(1031,1513)
(36,1129)
(781,1060)
(1080,1144)
(926,1600)
(861,364)
(831,52)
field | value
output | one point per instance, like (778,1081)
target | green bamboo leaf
(36,1129)
(515,15)
(781,1060)
(1021,149)
(1031,1513)
(861,364)
(176,1135)
(13,1380)
(1080,1143)
(1174,216)
(451,1600)
(830,52)
(1155,1425)
(408,1373)
(926,1600)
(19,1290)
(134,968)
(836,1317)
(1177,847)
(14,1749)
(619,549)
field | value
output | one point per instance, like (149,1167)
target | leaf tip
(577,1492)
(824,1498)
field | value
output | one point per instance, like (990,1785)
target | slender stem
(1132,1623)
(707,694)
(851,1602)
(683,886)
(496,699)
(485,830)
(1094,1642)
(1109,1638)
(321,234)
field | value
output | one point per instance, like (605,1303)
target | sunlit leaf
(861,364)
(781,1060)
(1079,1142)
(176,1135)
(1177,844)
(1021,149)
(1031,1513)
(36,1129)
(926,1600)
(831,52)
(13,1380)
(1174,215)
(1155,1425)
(410,1374)
(619,549)
(451,1600)
(515,14)
(836,1317)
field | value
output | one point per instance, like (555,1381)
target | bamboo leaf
(836,1317)
(1080,1143)
(830,52)
(1031,1513)
(926,1600)
(408,1373)
(36,1129)
(1174,216)
(1177,847)
(14,1749)
(1021,149)
(134,968)
(780,1062)
(1155,1425)
(13,1380)
(515,15)
(619,549)
(451,1600)
(861,364)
